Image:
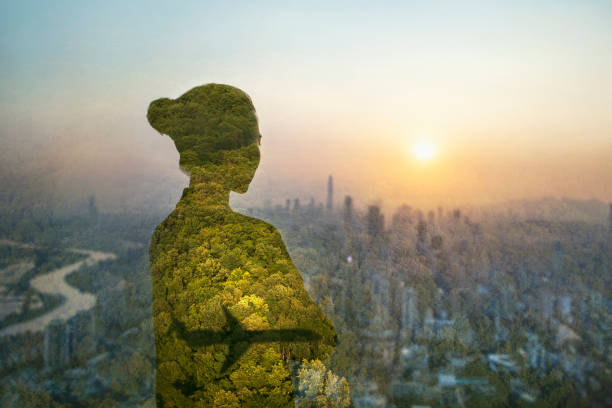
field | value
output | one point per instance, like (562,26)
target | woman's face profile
(214,128)
(244,169)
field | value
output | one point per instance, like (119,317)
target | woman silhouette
(229,306)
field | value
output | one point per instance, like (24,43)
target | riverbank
(53,283)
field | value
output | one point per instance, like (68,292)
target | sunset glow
(429,102)
(428,223)
(424,150)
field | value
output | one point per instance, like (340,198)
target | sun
(424,150)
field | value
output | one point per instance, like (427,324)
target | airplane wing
(232,322)
(239,339)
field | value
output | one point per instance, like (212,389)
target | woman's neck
(208,193)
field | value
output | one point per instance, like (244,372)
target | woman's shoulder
(254,225)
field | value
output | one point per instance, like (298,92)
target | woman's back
(230,309)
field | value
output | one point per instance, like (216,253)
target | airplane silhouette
(239,339)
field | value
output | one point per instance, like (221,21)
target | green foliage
(321,388)
(205,120)
(205,259)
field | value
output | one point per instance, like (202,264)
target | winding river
(54,283)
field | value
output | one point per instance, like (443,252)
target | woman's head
(211,125)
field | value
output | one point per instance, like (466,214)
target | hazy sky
(515,97)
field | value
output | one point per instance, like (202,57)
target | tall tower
(348,209)
(330,193)
(375,220)
(93,209)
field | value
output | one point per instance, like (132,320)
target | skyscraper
(421,245)
(330,193)
(93,209)
(348,209)
(375,220)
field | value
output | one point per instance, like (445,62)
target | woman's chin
(241,189)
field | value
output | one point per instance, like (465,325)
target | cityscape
(449,311)
(448,307)
(308,204)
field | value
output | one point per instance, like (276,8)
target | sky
(514,97)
